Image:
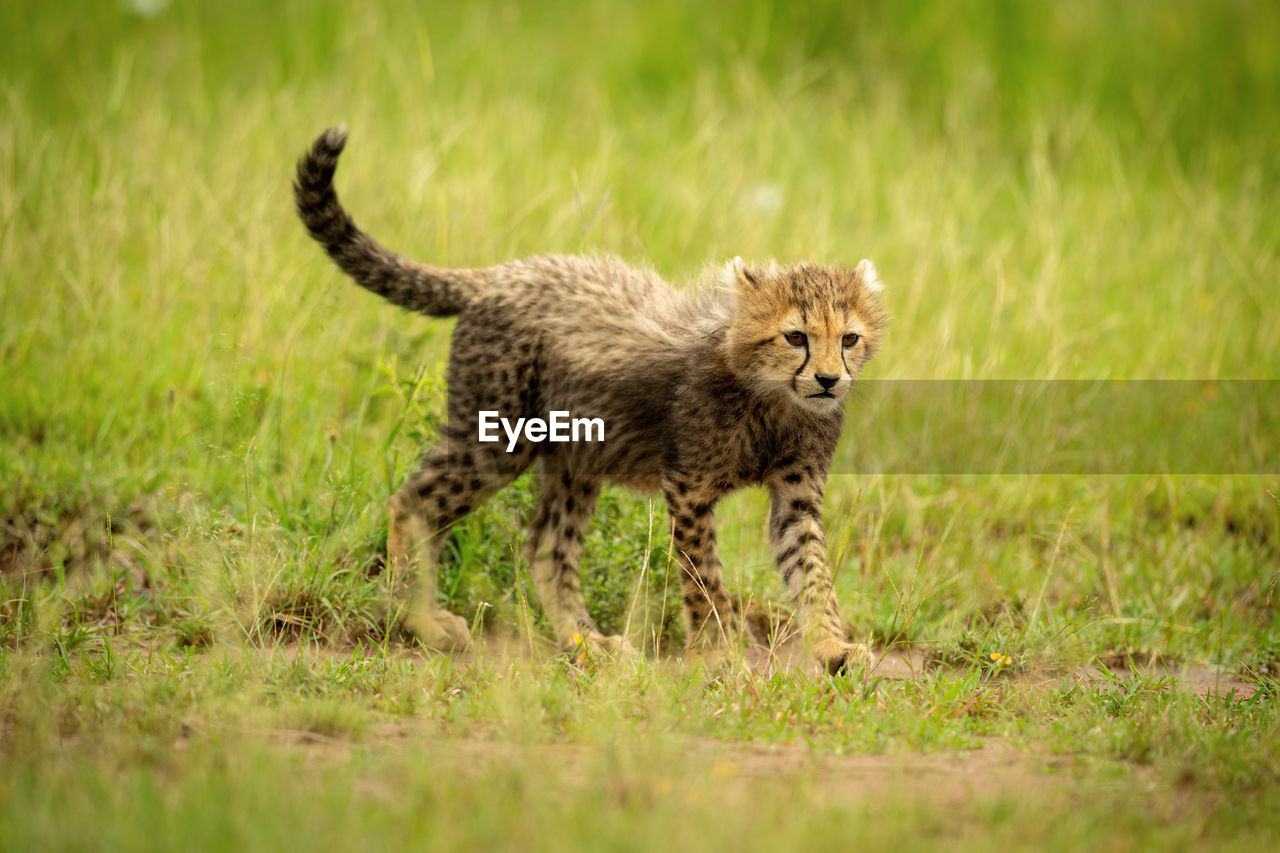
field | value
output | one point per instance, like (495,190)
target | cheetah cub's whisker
(739,384)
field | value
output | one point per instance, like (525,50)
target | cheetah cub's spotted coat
(699,395)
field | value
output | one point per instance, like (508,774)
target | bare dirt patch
(949,779)
(39,536)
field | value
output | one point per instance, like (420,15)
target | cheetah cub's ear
(739,277)
(866,273)
(745,279)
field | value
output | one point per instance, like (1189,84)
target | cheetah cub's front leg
(799,546)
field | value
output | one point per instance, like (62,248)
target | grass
(200,421)
(214,747)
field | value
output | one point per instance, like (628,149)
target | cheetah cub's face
(804,332)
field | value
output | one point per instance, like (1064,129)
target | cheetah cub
(741,384)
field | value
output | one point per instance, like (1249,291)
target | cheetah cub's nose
(826,381)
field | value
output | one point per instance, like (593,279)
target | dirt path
(895,663)
(1197,678)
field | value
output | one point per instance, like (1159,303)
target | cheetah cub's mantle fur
(740,385)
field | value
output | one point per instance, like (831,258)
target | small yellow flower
(1000,659)
(577,640)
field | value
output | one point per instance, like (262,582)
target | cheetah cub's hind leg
(552,550)
(714,625)
(451,482)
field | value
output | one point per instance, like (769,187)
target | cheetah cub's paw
(716,659)
(584,646)
(839,656)
(438,629)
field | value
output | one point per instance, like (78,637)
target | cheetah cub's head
(803,332)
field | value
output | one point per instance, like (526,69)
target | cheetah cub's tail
(404,282)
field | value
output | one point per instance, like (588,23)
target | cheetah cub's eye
(796,339)
(851,339)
